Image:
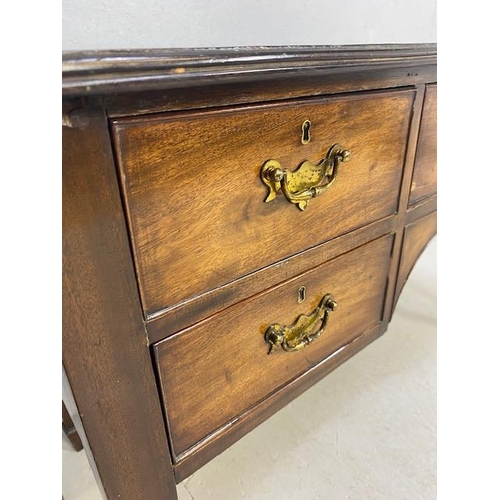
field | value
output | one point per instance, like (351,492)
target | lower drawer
(212,372)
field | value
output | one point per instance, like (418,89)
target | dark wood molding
(93,72)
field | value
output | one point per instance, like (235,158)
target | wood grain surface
(205,305)
(424,182)
(416,237)
(195,200)
(401,216)
(244,423)
(166,237)
(105,349)
(214,371)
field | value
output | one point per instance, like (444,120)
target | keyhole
(301,295)
(306,132)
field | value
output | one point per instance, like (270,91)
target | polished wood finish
(219,368)
(183,174)
(171,275)
(401,216)
(105,349)
(420,210)
(416,237)
(424,182)
(204,305)
(244,423)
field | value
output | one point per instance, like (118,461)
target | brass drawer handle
(307,181)
(301,333)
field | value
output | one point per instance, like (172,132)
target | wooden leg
(69,429)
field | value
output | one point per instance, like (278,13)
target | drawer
(195,198)
(424,180)
(212,372)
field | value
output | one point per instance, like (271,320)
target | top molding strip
(104,72)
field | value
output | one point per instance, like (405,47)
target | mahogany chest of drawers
(236,224)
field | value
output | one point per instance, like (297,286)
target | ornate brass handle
(307,181)
(301,333)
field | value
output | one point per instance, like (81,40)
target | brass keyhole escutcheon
(301,295)
(306,132)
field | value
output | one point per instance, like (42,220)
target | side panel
(105,349)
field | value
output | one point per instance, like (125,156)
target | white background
(128,24)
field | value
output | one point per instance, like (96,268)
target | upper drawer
(424,181)
(195,199)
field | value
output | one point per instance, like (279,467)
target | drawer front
(214,371)
(195,199)
(424,181)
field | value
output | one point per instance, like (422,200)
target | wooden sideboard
(236,224)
